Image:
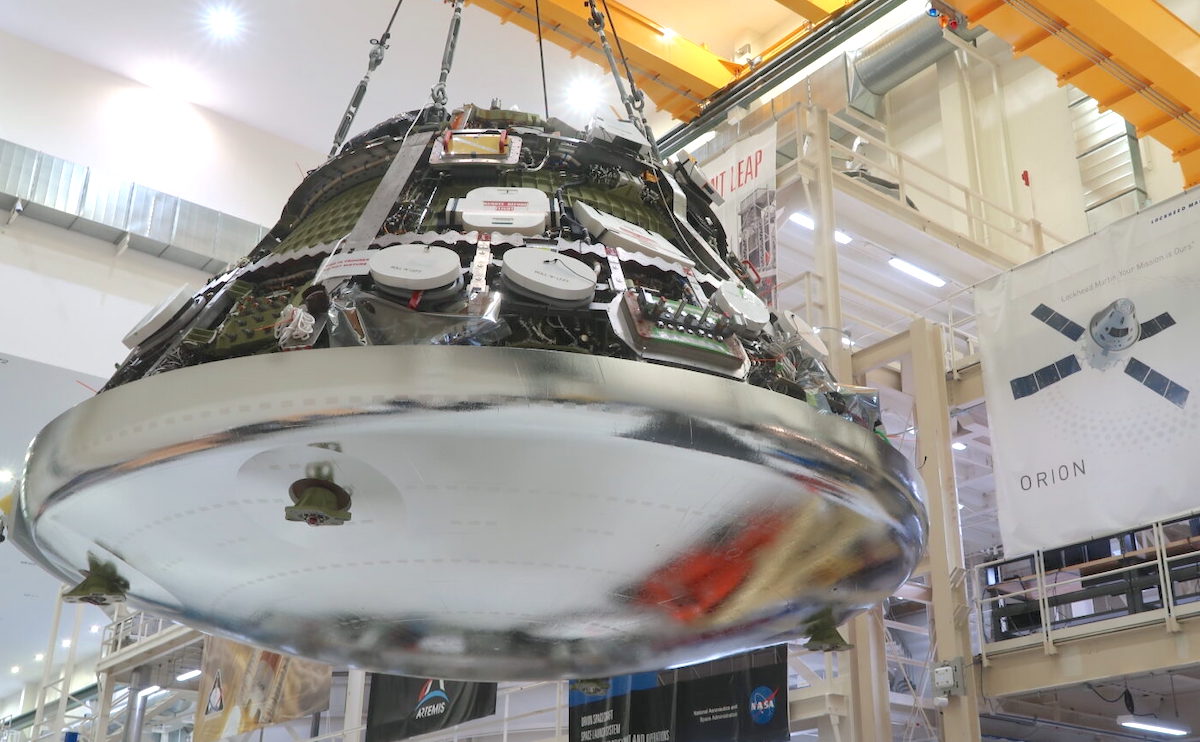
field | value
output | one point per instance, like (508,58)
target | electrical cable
(537,6)
(1118,699)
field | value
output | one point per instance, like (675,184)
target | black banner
(402,707)
(736,699)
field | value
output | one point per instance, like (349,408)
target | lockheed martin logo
(433,701)
(762,704)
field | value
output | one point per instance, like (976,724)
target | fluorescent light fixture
(148,691)
(187,676)
(6,476)
(958,446)
(66,643)
(223,22)
(1150,724)
(806,221)
(918,273)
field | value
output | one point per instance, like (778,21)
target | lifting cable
(639,99)
(378,47)
(537,5)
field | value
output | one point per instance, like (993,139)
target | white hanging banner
(1092,377)
(737,173)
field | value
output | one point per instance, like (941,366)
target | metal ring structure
(517,513)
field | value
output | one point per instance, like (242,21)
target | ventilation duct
(77,198)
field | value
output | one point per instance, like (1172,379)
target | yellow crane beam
(814,10)
(677,74)
(1133,56)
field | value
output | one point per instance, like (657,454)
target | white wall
(924,120)
(68,299)
(60,105)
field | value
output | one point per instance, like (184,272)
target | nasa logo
(762,704)
(432,701)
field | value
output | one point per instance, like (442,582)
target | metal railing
(1146,575)
(131,629)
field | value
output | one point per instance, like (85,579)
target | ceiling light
(39,657)
(148,691)
(961,506)
(958,446)
(66,643)
(95,629)
(6,476)
(804,220)
(187,676)
(223,22)
(1150,724)
(669,34)
(15,670)
(585,94)
(918,273)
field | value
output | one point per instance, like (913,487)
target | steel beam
(814,10)
(675,73)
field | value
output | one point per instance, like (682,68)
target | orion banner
(402,707)
(737,699)
(1089,369)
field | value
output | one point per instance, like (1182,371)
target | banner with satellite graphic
(739,175)
(402,707)
(1090,369)
(243,689)
(737,699)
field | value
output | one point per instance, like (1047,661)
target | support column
(950,610)
(39,713)
(64,688)
(104,686)
(356,685)
(824,224)
(135,706)
(870,704)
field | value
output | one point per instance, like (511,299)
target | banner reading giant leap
(1091,371)
(739,171)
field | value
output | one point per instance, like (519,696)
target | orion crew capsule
(1115,328)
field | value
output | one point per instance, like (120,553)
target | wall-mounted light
(669,34)
(918,273)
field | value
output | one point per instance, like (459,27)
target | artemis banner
(402,707)
(737,699)
(243,689)
(739,173)
(1090,364)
